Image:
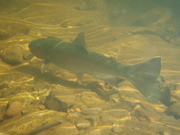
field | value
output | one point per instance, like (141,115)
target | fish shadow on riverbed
(53,79)
(48,77)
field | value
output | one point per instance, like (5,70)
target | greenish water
(130,38)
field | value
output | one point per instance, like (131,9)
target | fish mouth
(37,52)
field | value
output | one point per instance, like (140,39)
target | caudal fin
(144,77)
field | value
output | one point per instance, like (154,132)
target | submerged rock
(13,55)
(53,103)
(32,122)
(174,110)
(13,109)
(66,128)
(170,121)
(91,99)
(83,124)
(3,106)
(113,115)
(94,131)
(145,113)
(60,99)
(91,111)
(117,129)
(94,119)
(69,100)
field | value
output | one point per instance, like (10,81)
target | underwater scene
(89,67)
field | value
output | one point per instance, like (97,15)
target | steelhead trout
(75,57)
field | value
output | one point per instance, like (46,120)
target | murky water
(120,34)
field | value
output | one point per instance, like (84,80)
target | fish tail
(144,77)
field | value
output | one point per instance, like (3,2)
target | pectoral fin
(44,67)
(80,77)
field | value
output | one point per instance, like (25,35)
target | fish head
(42,47)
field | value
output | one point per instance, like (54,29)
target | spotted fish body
(75,57)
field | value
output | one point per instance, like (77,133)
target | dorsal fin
(80,43)
(80,40)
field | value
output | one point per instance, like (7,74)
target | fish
(74,56)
